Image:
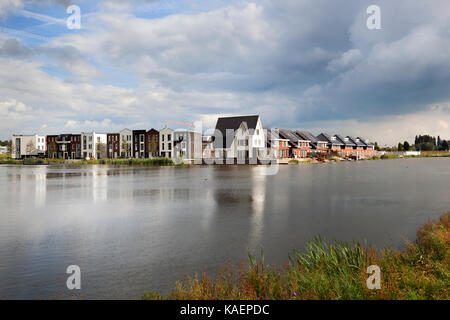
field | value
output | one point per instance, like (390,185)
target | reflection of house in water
(232,196)
(40,188)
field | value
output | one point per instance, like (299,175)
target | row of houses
(242,137)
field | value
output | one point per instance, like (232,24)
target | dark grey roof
(233,123)
(271,135)
(306,135)
(290,135)
(329,139)
(347,143)
(366,142)
(359,143)
(324,137)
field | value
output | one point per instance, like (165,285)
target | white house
(166,142)
(126,143)
(93,145)
(187,145)
(28,146)
(239,138)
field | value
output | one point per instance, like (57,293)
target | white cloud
(8,6)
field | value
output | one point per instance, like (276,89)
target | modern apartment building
(113,145)
(93,145)
(64,146)
(152,143)
(28,146)
(139,143)
(187,144)
(126,143)
(166,142)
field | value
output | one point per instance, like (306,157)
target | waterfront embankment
(334,271)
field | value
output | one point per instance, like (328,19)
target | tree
(126,149)
(9,146)
(101,150)
(30,148)
(406,146)
(445,145)
(400,146)
(377,147)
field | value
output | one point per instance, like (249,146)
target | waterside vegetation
(333,271)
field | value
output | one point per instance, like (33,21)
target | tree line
(424,143)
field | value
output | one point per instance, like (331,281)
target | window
(170,146)
(169,137)
(162,137)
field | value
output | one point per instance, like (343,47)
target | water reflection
(258,202)
(137,229)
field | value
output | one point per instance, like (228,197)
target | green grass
(333,271)
(116,162)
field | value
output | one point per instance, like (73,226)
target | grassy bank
(334,271)
(115,162)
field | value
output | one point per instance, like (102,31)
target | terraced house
(139,143)
(299,147)
(166,142)
(277,147)
(239,137)
(126,143)
(317,145)
(93,145)
(152,143)
(113,145)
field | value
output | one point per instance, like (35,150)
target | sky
(302,64)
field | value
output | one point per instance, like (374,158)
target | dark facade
(139,143)
(113,145)
(75,146)
(64,146)
(52,146)
(152,143)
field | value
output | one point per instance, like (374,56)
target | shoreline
(161,161)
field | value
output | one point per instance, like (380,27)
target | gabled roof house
(240,137)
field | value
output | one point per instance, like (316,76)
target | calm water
(137,229)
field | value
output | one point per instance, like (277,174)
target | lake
(135,229)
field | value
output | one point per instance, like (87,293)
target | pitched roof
(291,136)
(306,135)
(232,123)
(324,137)
(270,136)
(345,140)
(366,142)
(357,141)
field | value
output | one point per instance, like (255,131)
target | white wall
(126,135)
(38,143)
(164,141)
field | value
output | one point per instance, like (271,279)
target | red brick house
(113,145)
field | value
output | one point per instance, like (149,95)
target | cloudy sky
(298,63)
